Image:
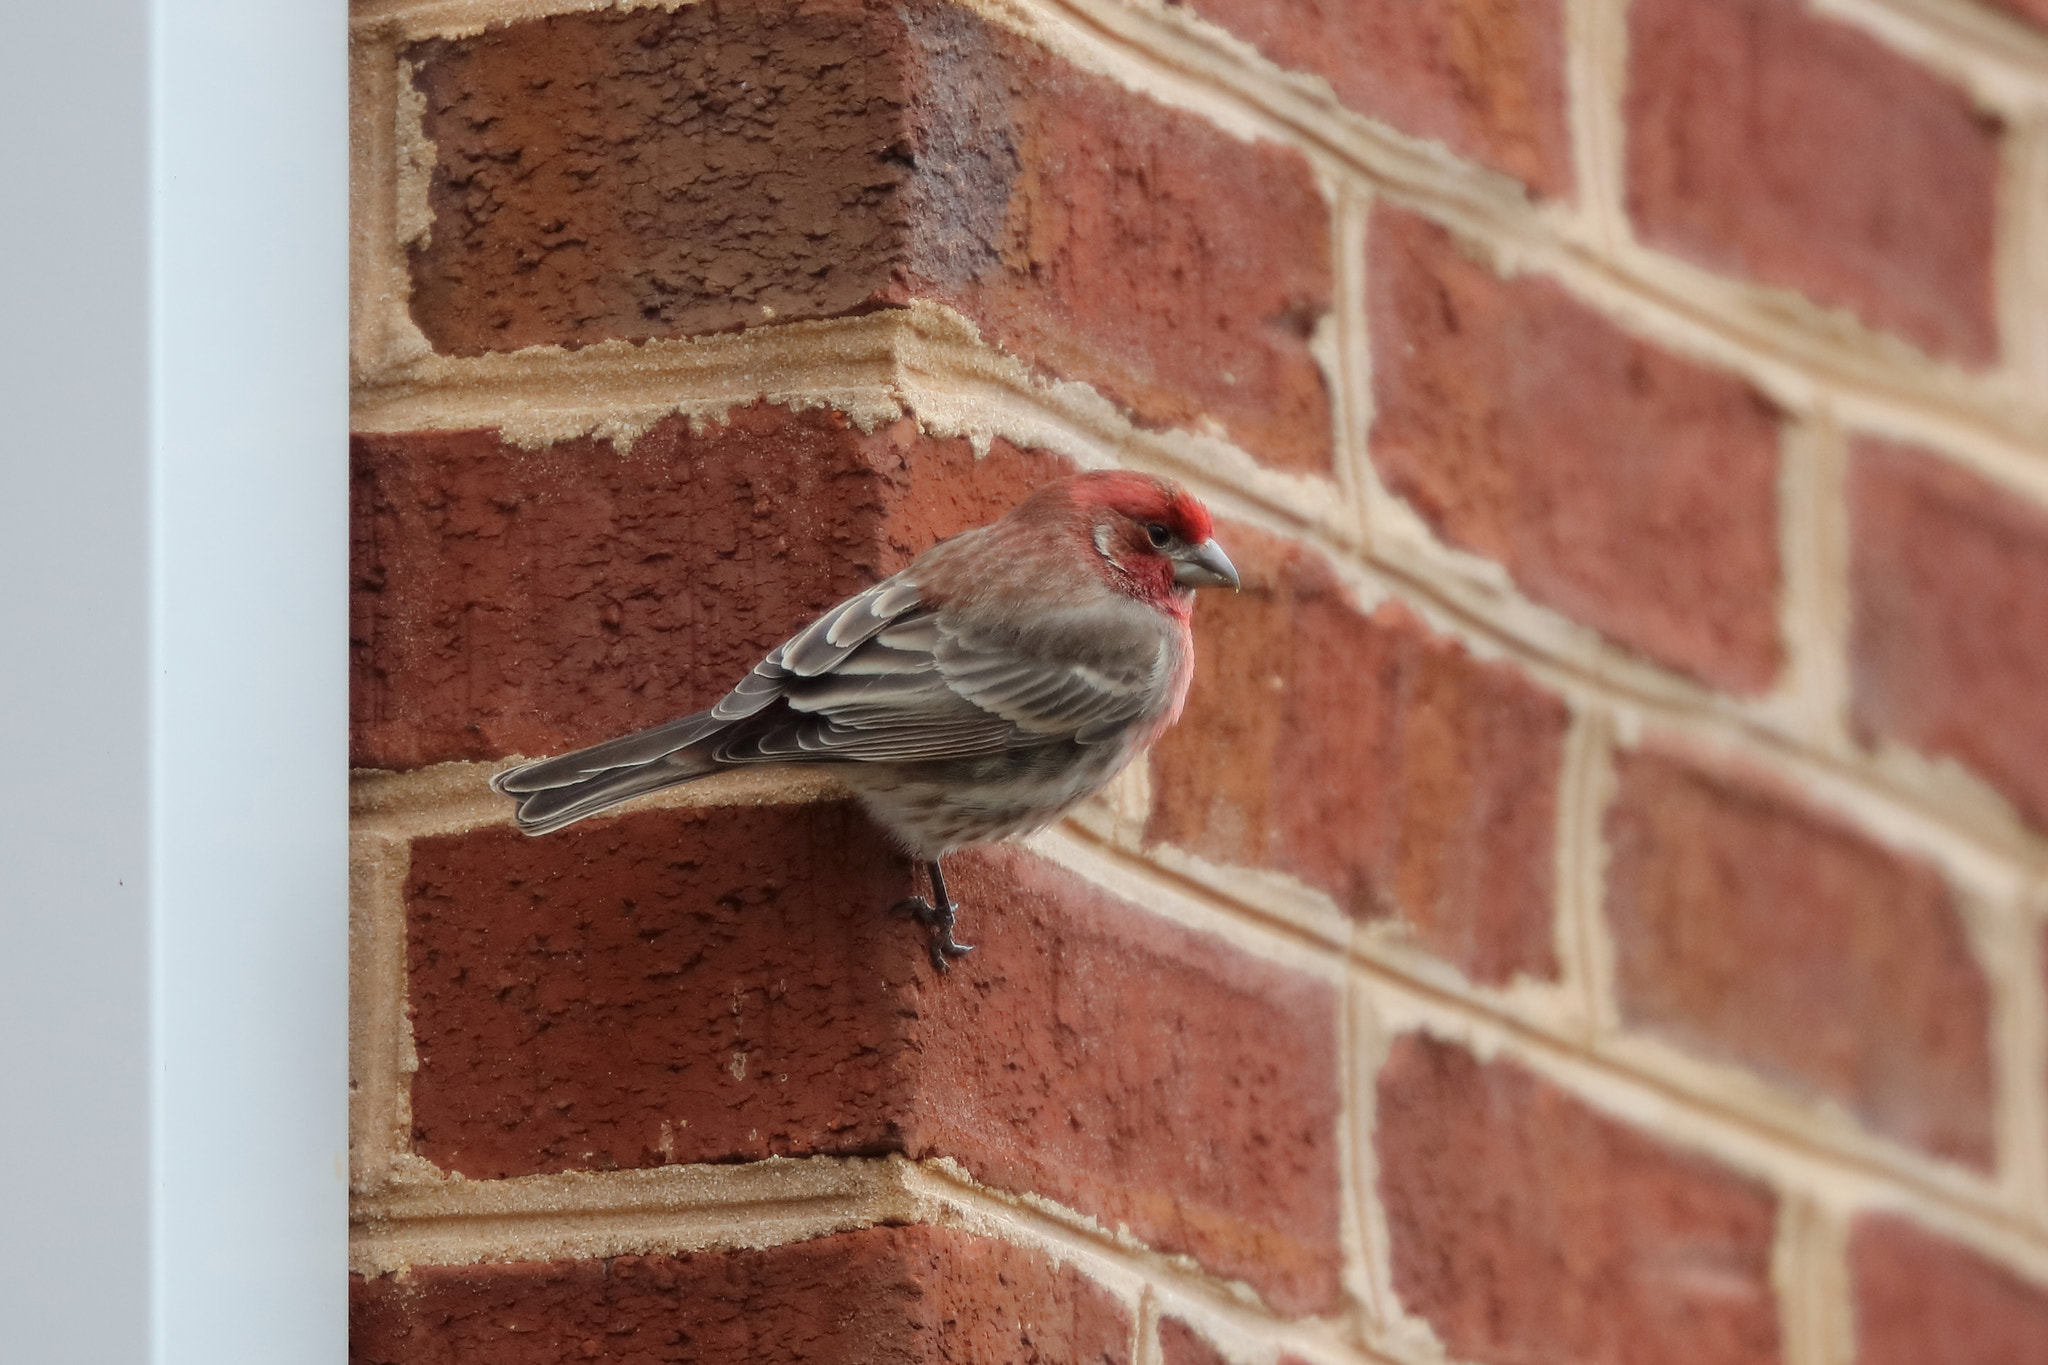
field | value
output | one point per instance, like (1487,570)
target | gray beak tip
(1206,566)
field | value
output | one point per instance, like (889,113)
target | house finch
(1004,676)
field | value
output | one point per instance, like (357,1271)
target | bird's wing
(817,648)
(882,678)
(926,687)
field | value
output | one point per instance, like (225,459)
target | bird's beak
(1204,566)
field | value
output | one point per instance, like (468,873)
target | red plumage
(979,694)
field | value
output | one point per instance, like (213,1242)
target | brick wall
(1595,909)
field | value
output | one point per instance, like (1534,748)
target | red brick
(1752,929)
(1484,77)
(507,601)
(1146,1074)
(882,1296)
(1530,1230)
(1177,269)
(2036,10)
(1617,483)
(663,174)
(1770,143)
(659,173)
(1370,758)
(584,1002)
(1950,637)
(1180,1344)
(696,985)
(1923,1300)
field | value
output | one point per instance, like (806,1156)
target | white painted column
(173,682)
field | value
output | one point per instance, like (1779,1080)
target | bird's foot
(938,923)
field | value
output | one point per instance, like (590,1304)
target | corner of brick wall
(1592,908)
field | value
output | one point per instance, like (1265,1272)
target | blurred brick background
(1592,912)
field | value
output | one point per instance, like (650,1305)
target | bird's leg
(936,915)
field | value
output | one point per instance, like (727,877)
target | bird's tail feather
(560,791)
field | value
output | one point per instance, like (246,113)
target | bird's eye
(1160,535)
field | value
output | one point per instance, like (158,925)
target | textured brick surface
(508,601)
(1617,483)
(1530,1230)
(1750,928)
(882,1296)
(668,986)
(1176,268)
(658,174)
(1143,1073)
(1485,77)
(1180,1344)
(688,986)
(1770,143)
(1949,649)
(1923,1300)
(1370,758)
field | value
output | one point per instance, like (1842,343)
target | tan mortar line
(1145,1330)
(579,1215)
(380,1053)
(1809,1269)
(1585,790)
(2030,1003)
(1813,556)
(2016,950)
(1383,1318)
(415,19)
(2001,936)
(1351,378)
(455,798)
(1596,44)
(618,390)
(1354,1125)
(1334,344)
(372,180)
(2023,247)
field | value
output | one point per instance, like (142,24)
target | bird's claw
(938,923)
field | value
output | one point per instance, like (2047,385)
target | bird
(1002,677)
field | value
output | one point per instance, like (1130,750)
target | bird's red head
(1149,536)
(1146,499)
